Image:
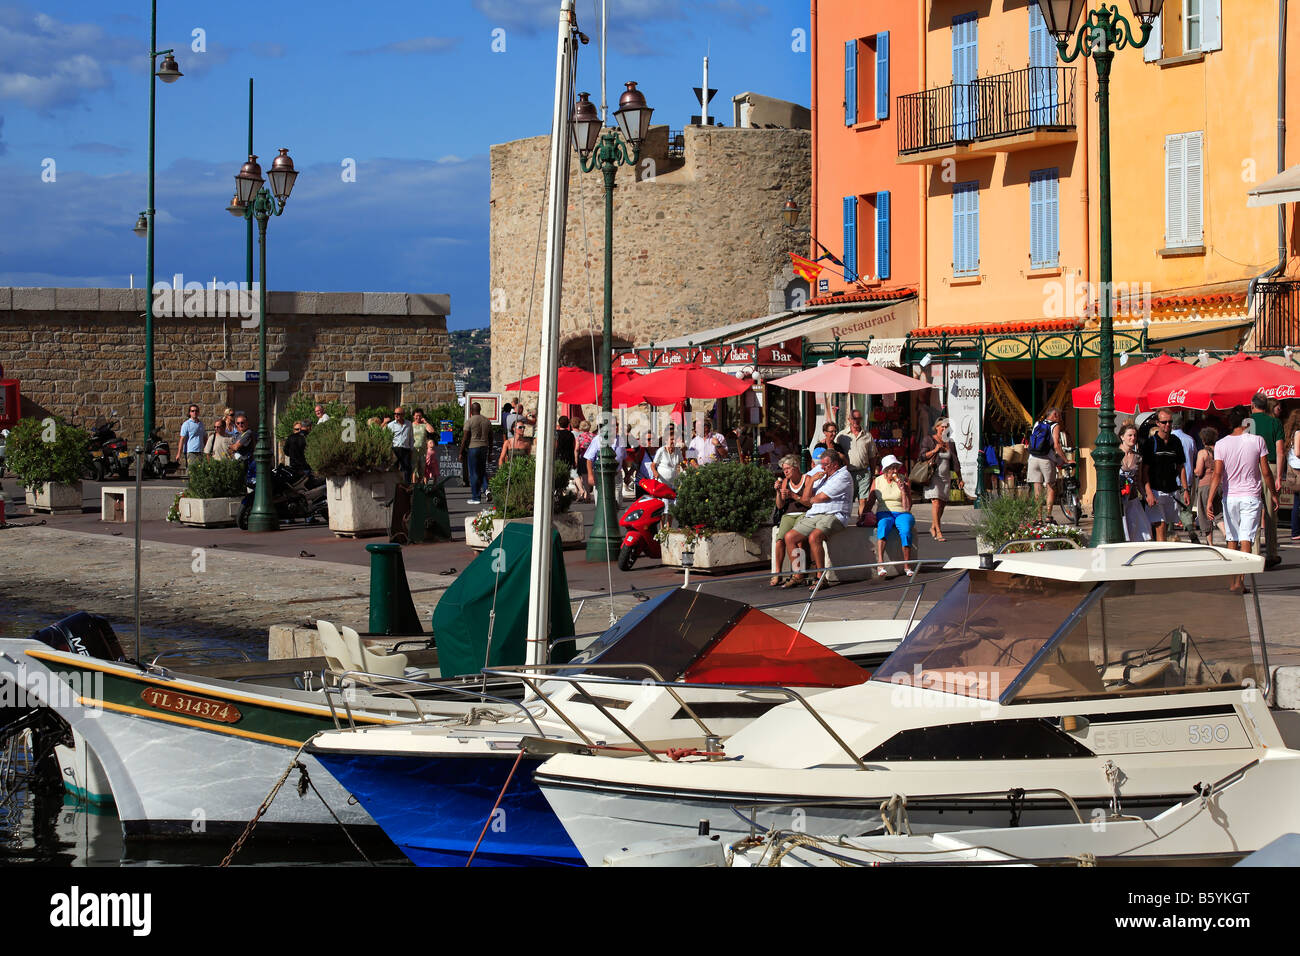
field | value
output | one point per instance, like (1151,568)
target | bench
(854,545)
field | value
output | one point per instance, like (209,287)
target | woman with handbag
(1137,527)
(937,450)
(789,508)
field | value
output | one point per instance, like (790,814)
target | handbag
(868,520)
(921,472)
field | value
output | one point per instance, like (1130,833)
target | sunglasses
(241,422)
(1164,421)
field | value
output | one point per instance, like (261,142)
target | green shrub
(41,450)
(332,457)
(1003,517)
(302,407)
(376,411)
(512,488)
(724,496)
(216,478)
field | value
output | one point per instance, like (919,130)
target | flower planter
(573,532)
(56,498)
(209,512)
(722,551)
(361,506)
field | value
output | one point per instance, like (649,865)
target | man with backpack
(1044,454)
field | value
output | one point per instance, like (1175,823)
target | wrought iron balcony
(1277,314)
(994,114)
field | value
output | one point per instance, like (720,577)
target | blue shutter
(1211,25)
(965,229)
(1044,219)
(882,235)
(850,238)
(965,67)
(850,82)
(1035,220)
(882,75)
(1042,69)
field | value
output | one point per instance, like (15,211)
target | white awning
(850,325)
(1284,187)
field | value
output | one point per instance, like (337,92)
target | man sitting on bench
(830,505)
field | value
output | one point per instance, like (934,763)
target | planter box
(361,506)
(56,498)
(209,512)
(117,502)
(724,551)
(573,533)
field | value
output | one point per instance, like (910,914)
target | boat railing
(384,684)
(1070,541)
(1181,549)
(749,693)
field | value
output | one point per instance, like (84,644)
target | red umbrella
(1234,381)
(851,375)
(690,380)
(567,376)
(1133,383)
(586,389)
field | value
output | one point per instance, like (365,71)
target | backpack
(1040,440)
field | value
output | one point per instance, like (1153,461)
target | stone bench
(854,545)
(117,502)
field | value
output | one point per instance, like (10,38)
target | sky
(388,108)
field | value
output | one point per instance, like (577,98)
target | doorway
(377,395)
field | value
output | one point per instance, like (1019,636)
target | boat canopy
(1019,638)
(703,638)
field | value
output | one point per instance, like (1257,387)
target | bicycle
(1067,487)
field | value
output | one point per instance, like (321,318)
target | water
(41,824)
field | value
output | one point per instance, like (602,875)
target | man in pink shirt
(1241,469)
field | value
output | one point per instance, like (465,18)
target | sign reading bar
(789,352)
(202,707)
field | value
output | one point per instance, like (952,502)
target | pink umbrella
(851,375)
(1234,381)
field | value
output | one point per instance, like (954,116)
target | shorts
(887,521)
(1164,510)
(861,482)
(1241,518)
(1040,471)
(788,521)
(826,522)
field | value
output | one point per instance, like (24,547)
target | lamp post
(1103,32)
(236,208)
(168,72)
(605,149)
(258,203)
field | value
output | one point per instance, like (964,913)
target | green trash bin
(420,512)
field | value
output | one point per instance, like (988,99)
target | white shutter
(1193,148)
(1211,25)
(1175,220)
(1154,48)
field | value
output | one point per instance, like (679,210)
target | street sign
(380,376)
(823,285)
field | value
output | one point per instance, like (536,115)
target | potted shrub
(49,457)
(357,462)
(717,514)
(213,493)
(1011,517)
(512,494)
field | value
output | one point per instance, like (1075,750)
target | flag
(805,269)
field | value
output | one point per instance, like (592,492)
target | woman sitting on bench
(894,498)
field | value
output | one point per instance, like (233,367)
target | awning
(726,334)
(1284,187)
(891,320)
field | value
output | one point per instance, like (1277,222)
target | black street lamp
(606,149)
(1102,33)
(258,203)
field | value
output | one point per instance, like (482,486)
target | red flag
(805,268)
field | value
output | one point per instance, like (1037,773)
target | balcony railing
(1277,314)
(1008,104)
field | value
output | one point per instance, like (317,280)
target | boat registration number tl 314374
(191,706)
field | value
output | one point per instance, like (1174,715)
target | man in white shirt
(830,506)
(402,439)
(708,447)
(320,414)
(859,448)
(593,451)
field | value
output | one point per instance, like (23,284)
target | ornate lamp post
(258,203)
(168,72)
(605,149)
(1102,33)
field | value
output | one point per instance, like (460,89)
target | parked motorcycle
(293,495)
(110,455)
(158,461)
(642,520)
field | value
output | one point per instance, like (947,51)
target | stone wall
(698,241)
(80,352)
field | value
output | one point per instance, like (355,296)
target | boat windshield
(706,639)
(1012,638)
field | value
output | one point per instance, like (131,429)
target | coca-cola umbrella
(852,376)
(1234,381)
(690,380)
(1132,384)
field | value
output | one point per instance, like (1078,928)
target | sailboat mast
(557,199)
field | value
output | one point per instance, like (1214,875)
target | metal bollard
(392,612)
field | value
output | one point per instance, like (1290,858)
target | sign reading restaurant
(789,353)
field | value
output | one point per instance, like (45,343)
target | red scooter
(641,520)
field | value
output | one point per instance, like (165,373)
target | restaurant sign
(788,353)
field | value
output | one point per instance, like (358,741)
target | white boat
(1077,688)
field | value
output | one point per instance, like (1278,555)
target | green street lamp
(258,203)
(606,149)
(168,72)
(1102,33)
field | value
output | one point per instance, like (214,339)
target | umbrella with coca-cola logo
(1234,381)
(1133,384)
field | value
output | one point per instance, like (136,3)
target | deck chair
(337,655)
(388,665)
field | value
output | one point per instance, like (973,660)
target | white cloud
(46,63)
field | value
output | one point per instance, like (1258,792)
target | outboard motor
(83,633)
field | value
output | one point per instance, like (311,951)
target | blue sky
(412,91)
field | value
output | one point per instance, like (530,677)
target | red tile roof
(1001,328)
(875,295)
